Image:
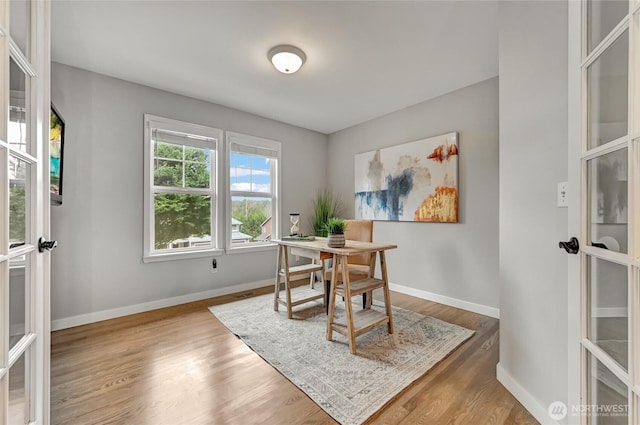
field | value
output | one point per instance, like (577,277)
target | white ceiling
(364,59)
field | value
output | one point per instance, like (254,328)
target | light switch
(562,194)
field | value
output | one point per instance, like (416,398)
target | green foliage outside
(179,216)
(252,213)
(180,167)
(17,214)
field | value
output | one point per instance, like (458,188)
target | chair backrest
(359,230)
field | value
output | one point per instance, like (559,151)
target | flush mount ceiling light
(287,59)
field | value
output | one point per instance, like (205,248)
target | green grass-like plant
(325,206)
(336,226)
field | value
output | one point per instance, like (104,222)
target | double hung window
(253,169)
(181,187)
(203,196)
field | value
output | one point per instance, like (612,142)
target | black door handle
(45,245)
(572,247)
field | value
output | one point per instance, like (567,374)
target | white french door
(24,212)
(609,208)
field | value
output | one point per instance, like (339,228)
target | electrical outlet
(214,266)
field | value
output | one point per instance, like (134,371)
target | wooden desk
(355,323)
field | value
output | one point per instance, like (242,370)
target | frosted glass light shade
(287,59)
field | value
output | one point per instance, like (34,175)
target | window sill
(185,255)
(248,249)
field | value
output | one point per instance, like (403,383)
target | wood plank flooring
(180,365)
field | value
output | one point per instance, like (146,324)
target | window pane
(18,302)
(608,198)
(251,220)
(182,221)
(250,173)
(20,15)
(18,186)
(18,402)
(181,166)
(603,16)
(608,315)
(608,93)
(18,129)
(606,394)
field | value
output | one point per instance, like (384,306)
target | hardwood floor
(180,365)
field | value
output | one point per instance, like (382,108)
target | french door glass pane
(18,200)
(608,176)
(20,13)
(608,314)
(18,304)
(18,401)
(607,395)
(182,221)
(250,220)
(608,93)
(603,16)
(18,130)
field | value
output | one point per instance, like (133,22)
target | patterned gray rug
(350,388)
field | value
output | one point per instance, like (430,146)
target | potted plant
(325,206)
(335,228)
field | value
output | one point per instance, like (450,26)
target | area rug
(348,387)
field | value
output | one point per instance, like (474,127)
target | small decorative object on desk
(335,228)
(294,223)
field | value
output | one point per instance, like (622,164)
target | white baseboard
(529,402)
(83,319)
(611,312)
(453,302)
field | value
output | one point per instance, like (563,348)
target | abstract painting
(415,181)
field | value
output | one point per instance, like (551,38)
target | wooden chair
(359,266)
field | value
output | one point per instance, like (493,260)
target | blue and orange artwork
(416,181)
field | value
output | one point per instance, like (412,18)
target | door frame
(574,83)
(577,213)
(37,59)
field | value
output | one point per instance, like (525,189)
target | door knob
(45,245)
(572,247)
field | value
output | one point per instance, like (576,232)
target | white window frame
(258,143)
(150,253)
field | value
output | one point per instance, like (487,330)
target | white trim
(83,319)
(524,397)
(267,246)
(611,312)
(182,255)
(19,58)
(442,299)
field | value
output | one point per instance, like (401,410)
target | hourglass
(294,224)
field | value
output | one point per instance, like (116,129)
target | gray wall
(533,159)
(456,261)
(98,264)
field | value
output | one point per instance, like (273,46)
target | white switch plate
(562,194)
